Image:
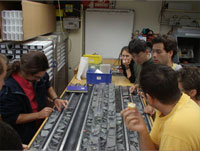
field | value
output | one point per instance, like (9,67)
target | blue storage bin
(95,78)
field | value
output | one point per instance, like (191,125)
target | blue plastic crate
(95,78)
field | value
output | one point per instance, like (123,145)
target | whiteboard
(107,31)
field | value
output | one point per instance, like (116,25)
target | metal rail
(84,123)
(147,116)
(70,125)
(54,129)
(80,105)
(125,129)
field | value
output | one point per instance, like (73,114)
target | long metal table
(92,121)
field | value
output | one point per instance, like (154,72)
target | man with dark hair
(177,122)
(9,139)
(142,57)
(164,49)
(189,82)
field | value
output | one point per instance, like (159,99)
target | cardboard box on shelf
(38,18)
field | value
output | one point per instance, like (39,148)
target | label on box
(3,51)
(18,51)
(91,60)
(98,78)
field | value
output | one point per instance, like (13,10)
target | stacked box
(12,25)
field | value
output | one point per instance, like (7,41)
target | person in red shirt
(24,95)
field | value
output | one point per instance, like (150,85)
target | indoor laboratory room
(100,75)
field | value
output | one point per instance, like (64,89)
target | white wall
(146,13)
(146,16)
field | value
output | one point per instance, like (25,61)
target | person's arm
(132,78)
(145,141)
(128,72)
(133,88)
(125,64)
(29,117)
(51,93)
(134,121)
(57,101)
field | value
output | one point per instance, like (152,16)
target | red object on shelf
(101,3)
(86,3)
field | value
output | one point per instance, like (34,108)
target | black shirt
(132,77)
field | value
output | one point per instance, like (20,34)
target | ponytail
(13,68)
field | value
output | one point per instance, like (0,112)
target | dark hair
(9,139)
(189,77)
(2,61)
(160,82)
(137,46)
(124,48)
(30,63)
(168,41)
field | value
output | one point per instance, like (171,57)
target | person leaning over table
(23,97)
(140,51)
(127,64)
(177,121)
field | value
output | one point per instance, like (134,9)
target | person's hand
(59,103)
(133,88)
(24,146)
(126,62)
(45,112)
(149,110)
(133,120)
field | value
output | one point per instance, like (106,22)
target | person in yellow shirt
(177,122)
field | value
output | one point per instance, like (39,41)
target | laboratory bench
(92,120)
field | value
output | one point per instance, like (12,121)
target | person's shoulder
(11,82)
(9,87)
(45,78)
(187,112)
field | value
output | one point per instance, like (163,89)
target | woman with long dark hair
(127,64)
(24,95)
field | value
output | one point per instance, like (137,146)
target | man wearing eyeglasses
(142,57)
